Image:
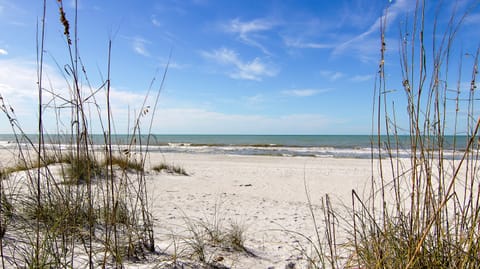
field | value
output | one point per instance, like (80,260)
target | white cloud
(18,85)
(296,43)
(18,79)
(223,55)
(175,65)
(155,21)
(249,70)
(244,28)
(336,75)
(252,70)
(304,92)
(361,78)
(248,31)
(19,90)
(172,64)
(332,75)
(192,120)
(139,46)
(363,44)
(122,98)
(3,52)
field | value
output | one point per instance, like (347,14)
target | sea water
(336,146)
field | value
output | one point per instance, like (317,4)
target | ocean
(336,146)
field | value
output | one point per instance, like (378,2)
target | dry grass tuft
(170,168)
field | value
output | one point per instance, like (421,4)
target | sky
(235,67)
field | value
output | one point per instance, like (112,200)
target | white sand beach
(265,195)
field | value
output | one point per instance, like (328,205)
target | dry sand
(264,194)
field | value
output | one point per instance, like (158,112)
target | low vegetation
(170,168)
(209,237)
(422,211)
(62,206)
(125,163)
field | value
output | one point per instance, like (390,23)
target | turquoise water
(351,146)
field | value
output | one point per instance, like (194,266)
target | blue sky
(237,67)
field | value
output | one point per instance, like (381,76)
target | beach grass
(421,211)
(170,168)
(208,238)
(415,223)
(70,208)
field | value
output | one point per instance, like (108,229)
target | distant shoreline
(322,146)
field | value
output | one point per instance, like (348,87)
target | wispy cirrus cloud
(301,44)
(361,78)
(175,65)
(304,92)
(255,69)
(364,44)
(332,75)
(139,46)
(155,21)
(249,31)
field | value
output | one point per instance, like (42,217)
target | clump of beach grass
(208,239)
(27,164)
(420,211)
(126,163)
(416,222)
(82,169)
(236,237)
(170,168)
(100,217)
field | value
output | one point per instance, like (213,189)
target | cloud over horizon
(194,120)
